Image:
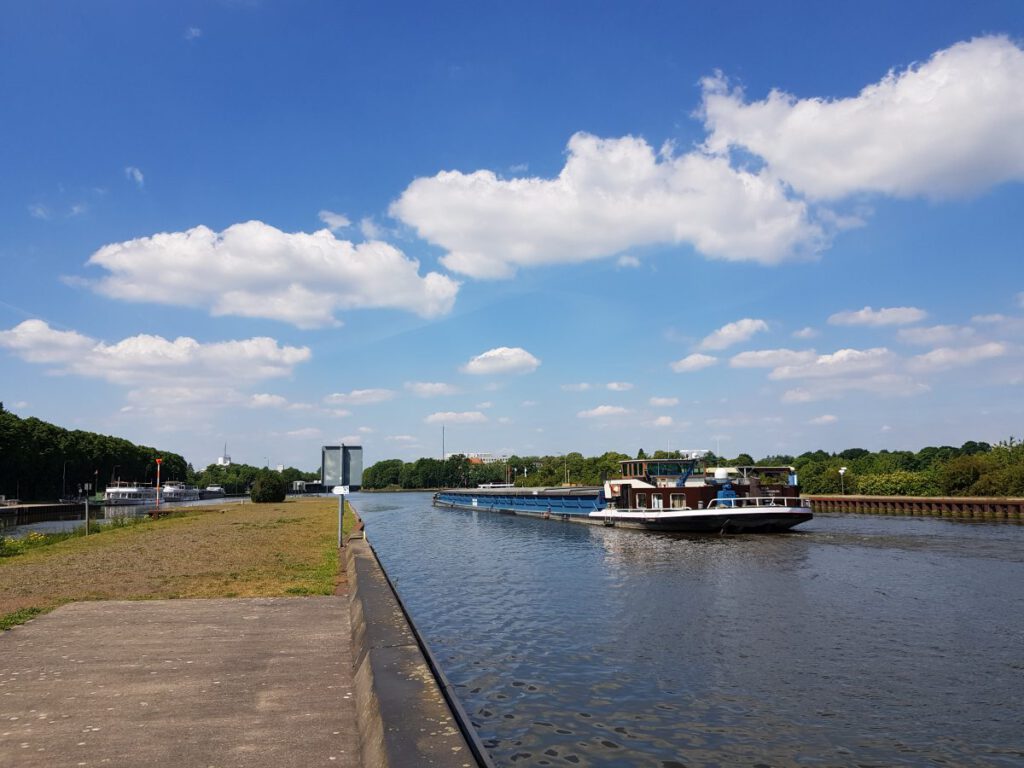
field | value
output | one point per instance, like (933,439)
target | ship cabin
(685,483)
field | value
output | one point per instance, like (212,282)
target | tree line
(973,469)
(40,461)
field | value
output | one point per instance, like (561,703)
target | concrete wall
(404,717)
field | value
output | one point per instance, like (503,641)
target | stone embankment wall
(961,507)
(404,717)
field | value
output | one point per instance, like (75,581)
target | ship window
(641,501)
(677,501)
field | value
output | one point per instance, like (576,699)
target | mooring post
(341,519)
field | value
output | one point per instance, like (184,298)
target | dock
(960,507)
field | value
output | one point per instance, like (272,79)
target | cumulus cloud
(947,357)
(334,221)
(430,388)
(255,270)
(580,387)
(134,174)
(502,360)
(452,417)
(145,358)
(872,317)
(806,333)
(360,397)
(612,194)
(883,384)
(935,334)
(843,362)
(193,33)
(693,362)
(603,411)
(663,402)
(826,418)
(663,421)
(733,333)
(267,401)
(951,126)
(619,386)
(772,358)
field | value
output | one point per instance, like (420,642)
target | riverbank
(251,550)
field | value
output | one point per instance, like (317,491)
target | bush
(268,488)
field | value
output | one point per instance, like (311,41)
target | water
(65,520)
(860,641)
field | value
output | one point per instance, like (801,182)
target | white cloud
(401,438)
(772,358)
(887,316)
(806,333)
(485,405)
(193,33)
(935,334)
(693,362)
(134,174)
(580,387)
(603,411)
(370,229)
(951,126)
(366,430)
(843,362)
(883,384)
(340,413)
(267,401)
(627,262)
(254,270)
(826,418)
(619,386)
(663,402)
(306,433)
(143,358)
(451,417)
(78,209)
(1020,299)
(733,333)
(334,221)
(360,397)
(502,360)
(946,357)
(612,195)
(431,388)
(663,421)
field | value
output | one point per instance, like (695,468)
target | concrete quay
(219,683)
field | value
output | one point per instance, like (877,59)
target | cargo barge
(677,494)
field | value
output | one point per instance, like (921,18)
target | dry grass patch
(237,550)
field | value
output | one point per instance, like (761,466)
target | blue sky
(545,227)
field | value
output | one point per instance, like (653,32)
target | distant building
(225,460)
(480,458)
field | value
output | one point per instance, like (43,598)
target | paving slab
(211,683)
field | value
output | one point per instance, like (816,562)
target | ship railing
(744,502)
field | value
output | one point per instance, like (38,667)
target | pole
(86,515)
(341,517)
(158,463)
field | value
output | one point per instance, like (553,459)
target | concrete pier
(276,682)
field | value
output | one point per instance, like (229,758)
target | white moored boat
(124,494)
(174,490)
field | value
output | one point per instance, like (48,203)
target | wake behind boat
(675,494)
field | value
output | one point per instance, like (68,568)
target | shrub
(268,488)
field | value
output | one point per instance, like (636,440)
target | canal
(860,640)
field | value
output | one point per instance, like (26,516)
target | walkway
(208,683)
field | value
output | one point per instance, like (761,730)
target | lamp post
(158,463)
(842,483)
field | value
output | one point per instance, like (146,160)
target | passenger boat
(212,492)
(175,490)
(123,494)
(677,494)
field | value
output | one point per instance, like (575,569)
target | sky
(513,228)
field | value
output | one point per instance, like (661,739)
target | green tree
(268,487)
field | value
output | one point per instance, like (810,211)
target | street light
(842,484)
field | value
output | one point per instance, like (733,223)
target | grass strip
(235,550)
